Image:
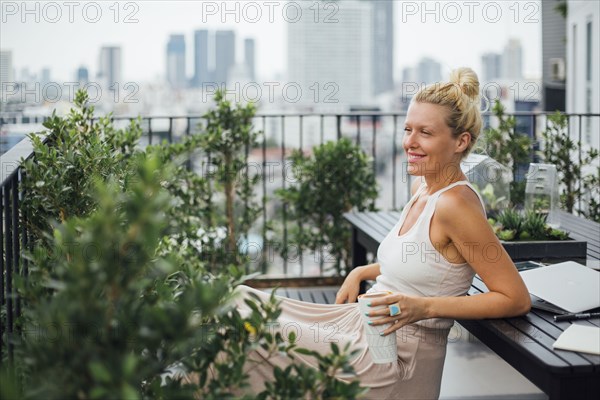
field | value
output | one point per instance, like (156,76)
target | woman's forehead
(426,114)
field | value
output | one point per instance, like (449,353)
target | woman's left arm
(470,232)
(460,215)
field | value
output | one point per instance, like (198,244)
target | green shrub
(59,175)
(561,150)
(114,309)
(337,178)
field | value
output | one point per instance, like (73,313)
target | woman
(427,260)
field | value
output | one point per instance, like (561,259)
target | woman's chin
(413,170)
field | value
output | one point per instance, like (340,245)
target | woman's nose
(409,140)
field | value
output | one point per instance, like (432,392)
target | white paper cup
(382,348)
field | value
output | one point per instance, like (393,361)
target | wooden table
(524,342)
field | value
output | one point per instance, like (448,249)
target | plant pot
(546,250)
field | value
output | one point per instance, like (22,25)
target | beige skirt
(417,374)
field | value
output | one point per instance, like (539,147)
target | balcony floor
(471,372)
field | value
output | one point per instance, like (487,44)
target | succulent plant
(534,224)
(510,219)
(507,234)
(511,224)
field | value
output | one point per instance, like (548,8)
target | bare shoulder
(459,203)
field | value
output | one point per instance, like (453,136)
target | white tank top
(410,264)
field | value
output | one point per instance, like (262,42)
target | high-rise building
(6,67)
(491,64)
(554,51)
(26,75)
(82,75)
(45,76)
(409,74)
(428,71)
(176,62)
(111,69)
(383,46)
(512,60)
(249,57)
(201,58)
(224,55)
(583,71)
(331,62)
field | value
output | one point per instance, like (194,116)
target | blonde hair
(460,96)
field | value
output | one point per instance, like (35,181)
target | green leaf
(99,372)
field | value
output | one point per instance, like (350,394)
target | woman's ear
(463,141)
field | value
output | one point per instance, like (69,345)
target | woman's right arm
(349,290)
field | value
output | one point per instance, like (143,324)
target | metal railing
(379,134)
(13,238)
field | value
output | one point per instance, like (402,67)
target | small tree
(337,178)
(591,183)
(509,148)
(561,150)
(226,137)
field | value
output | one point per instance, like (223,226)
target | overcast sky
(65,35)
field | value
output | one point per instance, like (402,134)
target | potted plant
(527,236)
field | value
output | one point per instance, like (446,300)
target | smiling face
(428,142)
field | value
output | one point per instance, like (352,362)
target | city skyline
(270,37)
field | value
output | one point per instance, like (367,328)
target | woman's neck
(439,181)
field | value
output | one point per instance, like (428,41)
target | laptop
(564,287)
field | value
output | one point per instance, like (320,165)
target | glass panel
(541,191)
(491,179)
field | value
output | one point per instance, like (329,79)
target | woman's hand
(349,290)
(412,309)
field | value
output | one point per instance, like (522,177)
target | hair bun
(467,80)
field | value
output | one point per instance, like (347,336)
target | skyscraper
(249,57)
(332,62)
(6,67)
(409,75)
(429,71)
(224,55)
(176,62)
(491,67)
(383,46)
(554,51)
(201,58)
(110,71)
(82,76)
(45,76)
(512,60)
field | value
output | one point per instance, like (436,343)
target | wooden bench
(317,294)
(582,229)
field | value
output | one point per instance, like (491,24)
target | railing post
(394,155)
(2,275)
(187,134)
(580,177)
(15,237)
(263,265)
(300,225)
(8,272)
(284,205)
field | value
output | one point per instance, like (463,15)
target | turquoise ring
(394,309)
